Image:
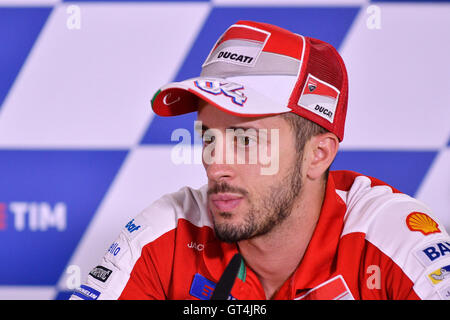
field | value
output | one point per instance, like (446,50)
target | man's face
(243,202)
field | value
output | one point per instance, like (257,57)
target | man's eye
(208,138)
(245,141)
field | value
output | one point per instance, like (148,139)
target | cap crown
(258,69)
(320,92)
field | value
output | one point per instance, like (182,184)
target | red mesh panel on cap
(323,62)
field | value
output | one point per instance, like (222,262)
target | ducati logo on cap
(240,45)
(312,84)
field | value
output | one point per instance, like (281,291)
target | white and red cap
(258,69)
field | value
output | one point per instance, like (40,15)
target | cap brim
(240,99)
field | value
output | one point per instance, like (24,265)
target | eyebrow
(205,128)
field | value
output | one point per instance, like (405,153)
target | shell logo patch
(418,221)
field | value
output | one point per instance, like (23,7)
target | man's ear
(321,151)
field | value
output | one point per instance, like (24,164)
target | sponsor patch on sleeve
(433,252)
(445,293)
(100,273)
(86,293)
(419,221)
(439,275)
(319,97)
(134,227)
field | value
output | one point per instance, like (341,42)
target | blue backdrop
(81,151)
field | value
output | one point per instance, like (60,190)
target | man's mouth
(225,201)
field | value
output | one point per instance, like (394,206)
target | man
(271,99)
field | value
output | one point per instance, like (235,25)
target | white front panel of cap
(235,97)
(277,88)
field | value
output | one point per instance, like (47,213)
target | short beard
(273,209)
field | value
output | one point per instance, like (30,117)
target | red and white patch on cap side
(319,97)
(239,45)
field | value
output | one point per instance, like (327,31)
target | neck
(275,256)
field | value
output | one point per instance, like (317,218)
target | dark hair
(304,130)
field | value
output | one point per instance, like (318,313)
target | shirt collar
(317,262)
(216,256)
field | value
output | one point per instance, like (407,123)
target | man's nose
(218,160)
(219,172)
